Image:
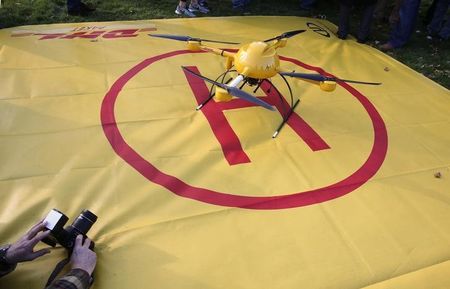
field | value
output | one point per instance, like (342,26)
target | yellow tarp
(101,116)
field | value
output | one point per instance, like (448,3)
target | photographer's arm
(83,261)
(75,279)
(23,249)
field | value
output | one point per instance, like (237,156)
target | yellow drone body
(257,60)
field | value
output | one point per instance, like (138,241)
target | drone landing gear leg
(285,119)
(258,86)
(205,102)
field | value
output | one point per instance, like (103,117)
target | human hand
(83,257)
(23,249)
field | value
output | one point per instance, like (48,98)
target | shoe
(203,3)
(435,39)
(320,16)
(387,47)
(198,8)
(184,11)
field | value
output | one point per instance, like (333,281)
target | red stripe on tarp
(229,141)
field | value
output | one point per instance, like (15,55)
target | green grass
(430,59)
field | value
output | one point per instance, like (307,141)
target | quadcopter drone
(254,63)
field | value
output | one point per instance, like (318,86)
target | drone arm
(217,51)
(324,85)
(228,55)
(197,46)
(316,82)
(222,94)
(235,82)
(277,43)
(280,43)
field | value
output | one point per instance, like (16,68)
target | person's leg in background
(445,31)
(430,13)
(345,9)
(307,4)
(403,29)
(437,23)
(203,3)
(240,5)
(366,23)
(73,5)
(380,10)
(76,8)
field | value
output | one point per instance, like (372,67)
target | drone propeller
(234,91)
(288,34)
(319,77)
(188,38)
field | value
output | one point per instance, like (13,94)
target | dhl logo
(87,32)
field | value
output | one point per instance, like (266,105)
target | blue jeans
(445,31)
(73,5)
(240,3)
(364,26)
(307,4)
(438,25)
(403,30)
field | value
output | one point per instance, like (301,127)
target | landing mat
(353,193)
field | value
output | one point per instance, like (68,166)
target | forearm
(75,279)
(6,266)
(6,269)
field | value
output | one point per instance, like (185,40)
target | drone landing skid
(285,119)
(292,106)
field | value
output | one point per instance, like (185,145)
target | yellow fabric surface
(391,230)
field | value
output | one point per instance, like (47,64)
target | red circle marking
(179,187)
